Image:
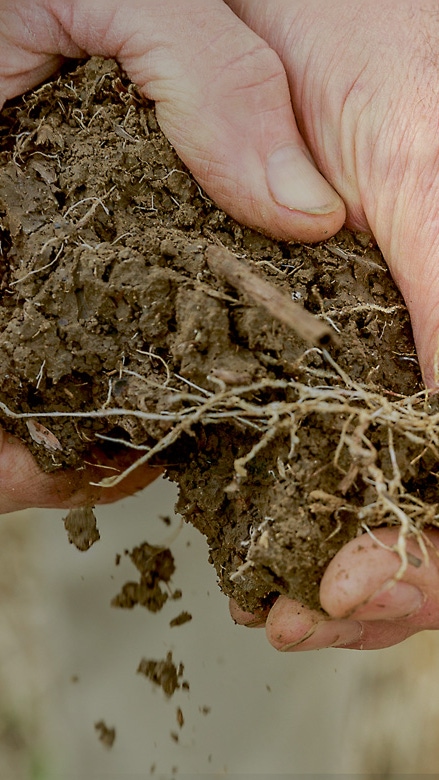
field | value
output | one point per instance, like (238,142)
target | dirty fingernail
(296,183)
(331,633)
(396,600)
(433,382)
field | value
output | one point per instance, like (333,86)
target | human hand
(222,99)
(366,606)
(23,484)
(182,55)
(225,104)
(363,80)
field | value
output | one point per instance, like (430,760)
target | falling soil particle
(106,735)
(183,617)
(165,673)
(81,528)
(180,717)
(136,314)
(156,566)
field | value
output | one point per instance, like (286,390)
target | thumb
(222,99)
(24,484)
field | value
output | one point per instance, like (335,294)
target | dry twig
(223,263)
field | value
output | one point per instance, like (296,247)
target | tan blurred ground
(67,660)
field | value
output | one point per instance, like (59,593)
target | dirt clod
(81,528)
(106,735)
(135,314)
(163,673)
(180,717)
(156,566)
(183,617)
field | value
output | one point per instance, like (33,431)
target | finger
(30,46)
(23,484)
(360,582)
(292,627)
(367,607)
(256,619)
(222,98)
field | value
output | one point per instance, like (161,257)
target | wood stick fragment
(277,303)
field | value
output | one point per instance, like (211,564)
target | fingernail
(256,623)
(429,358)
(435,384)
(331,633)
(395,600)
(296,183)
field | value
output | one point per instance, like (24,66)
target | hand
(221,93)
(368,116)
(363,78)
(367,608)
(222,99)
(23,484)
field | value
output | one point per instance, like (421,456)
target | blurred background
(68,660)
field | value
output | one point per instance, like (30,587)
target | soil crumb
(164,674)
(276,383)
(183,617)
(155,565)
(81,528)
(180,717)
(106,735)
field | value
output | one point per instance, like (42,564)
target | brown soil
(127,307)
(163,673)
(106,735)
(156,566)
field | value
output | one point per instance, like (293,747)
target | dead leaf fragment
(41,435)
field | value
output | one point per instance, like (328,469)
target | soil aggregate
(106,734)
(163,673)
(81,527)
(182,618)
(136,314)
(156,567)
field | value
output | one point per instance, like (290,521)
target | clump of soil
(164,674)
(81,527)
(156,566)
(182,618)
(129,317)
(107,735)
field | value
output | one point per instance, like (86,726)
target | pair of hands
(295,116)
